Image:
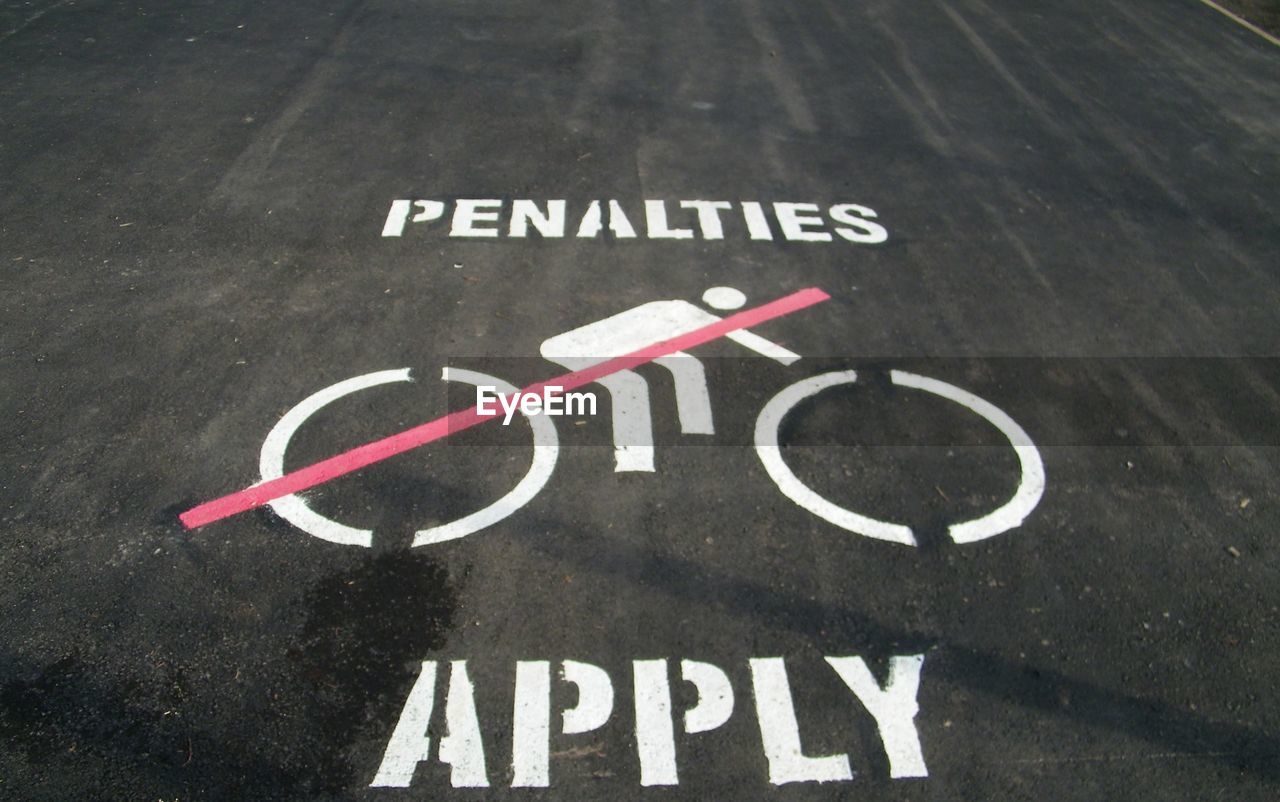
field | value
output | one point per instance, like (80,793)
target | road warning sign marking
(370,453)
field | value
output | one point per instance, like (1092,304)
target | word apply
(893,706)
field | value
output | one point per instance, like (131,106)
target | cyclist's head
(724,298)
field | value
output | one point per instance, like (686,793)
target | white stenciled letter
(861,229)
(780,731)
(592,221)
(655,729)
(399,215)
(531,740)
(894,708)
(655,734)
(461,747)
(793,217)
(595,697)
(715,696)
(468,212)
(708,216)
(757,223)
(409,744)
(655,214)
(618,222)
(396,218)
(524,212)
(531,725)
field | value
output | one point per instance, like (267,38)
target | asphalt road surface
(1005,529)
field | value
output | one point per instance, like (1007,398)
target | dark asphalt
(192,201)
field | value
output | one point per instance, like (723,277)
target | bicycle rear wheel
(1008,516)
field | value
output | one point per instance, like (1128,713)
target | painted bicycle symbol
(605,353)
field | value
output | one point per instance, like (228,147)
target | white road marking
(780,731)
(531,726)
(546,448)
(271,461)
(409,744)
(491,218)
(595,697)
(894,708)
(766,441)
(1031,483)
(655,734)
(632,329)
(461,747)
(1008,516)
(715,696)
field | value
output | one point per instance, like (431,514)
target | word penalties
(688,219)
(893,706)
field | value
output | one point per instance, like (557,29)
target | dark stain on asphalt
(34,714)
(68,716)
(362,626)
(346,673)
